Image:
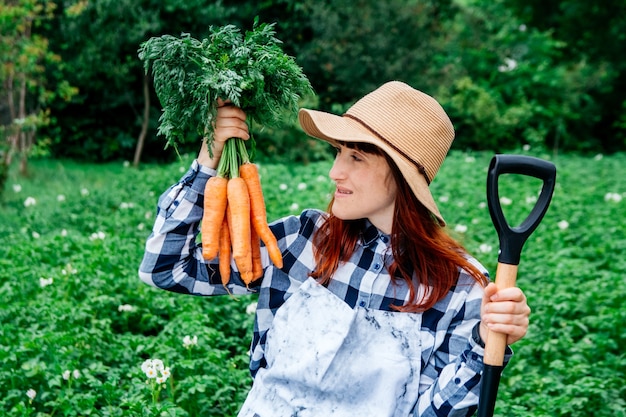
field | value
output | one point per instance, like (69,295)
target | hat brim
(332,128)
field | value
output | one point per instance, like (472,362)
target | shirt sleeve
(450,380)
(173,259)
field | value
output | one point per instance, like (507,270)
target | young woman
(376,310)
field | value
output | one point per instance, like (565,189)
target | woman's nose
(337,171)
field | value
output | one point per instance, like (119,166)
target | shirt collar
(370,234)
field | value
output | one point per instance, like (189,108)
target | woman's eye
(356,157)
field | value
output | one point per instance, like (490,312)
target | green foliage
(507,85)
(563,93)
(72,238)
(349,47)
(249,70)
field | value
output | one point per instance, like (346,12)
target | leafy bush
(77,324)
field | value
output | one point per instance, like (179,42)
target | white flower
(141,226)
(482,205)
(598,157)
(321,178)
(30,201)
(522,28)
(97,235)
(124,205)
(31,393)
(44,282)
(60,197)
(294,207)
(84,192)
(251,308)
(509,65)
(189,342)
(76,373)
(69,270)
(485,248)
(444,198)
(614,197)
(66,375)
(460,228)
(126,164)
(563,224)
(282,187)
(505,201)
(36,235)
(17,188)
(182,169)
(125,307)
(302,186)
(526,147)
(470,159)
(63,233)
(158,364)
(154,369)
(146,365)
(148,215)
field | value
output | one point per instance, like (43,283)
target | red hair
(423,253)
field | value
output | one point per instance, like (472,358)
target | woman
(376,311)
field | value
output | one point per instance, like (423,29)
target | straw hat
(408,125)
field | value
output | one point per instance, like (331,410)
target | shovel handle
(506,275)
(512,239)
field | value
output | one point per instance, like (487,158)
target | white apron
(327,359)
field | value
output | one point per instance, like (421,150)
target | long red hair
(424,255)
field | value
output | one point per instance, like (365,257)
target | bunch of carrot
(235,220)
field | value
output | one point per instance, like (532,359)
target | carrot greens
(250,69)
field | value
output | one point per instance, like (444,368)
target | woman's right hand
(229,123)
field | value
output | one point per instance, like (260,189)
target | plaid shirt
(451,358)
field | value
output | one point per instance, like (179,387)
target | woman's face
(365,187)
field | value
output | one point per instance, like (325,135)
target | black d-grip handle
(512,239)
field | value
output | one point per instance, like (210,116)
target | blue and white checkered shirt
(451,359)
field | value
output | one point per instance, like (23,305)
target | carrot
(257,265)
(224,253)
(250,173)
(239,223)
(214,209)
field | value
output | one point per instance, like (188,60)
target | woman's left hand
(505,311)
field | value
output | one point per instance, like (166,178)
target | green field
(72,236)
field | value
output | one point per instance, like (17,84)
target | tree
(25,92)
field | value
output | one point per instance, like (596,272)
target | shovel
(512,240)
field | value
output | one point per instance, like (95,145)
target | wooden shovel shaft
(506,275)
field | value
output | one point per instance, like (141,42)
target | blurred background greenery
(510,73)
